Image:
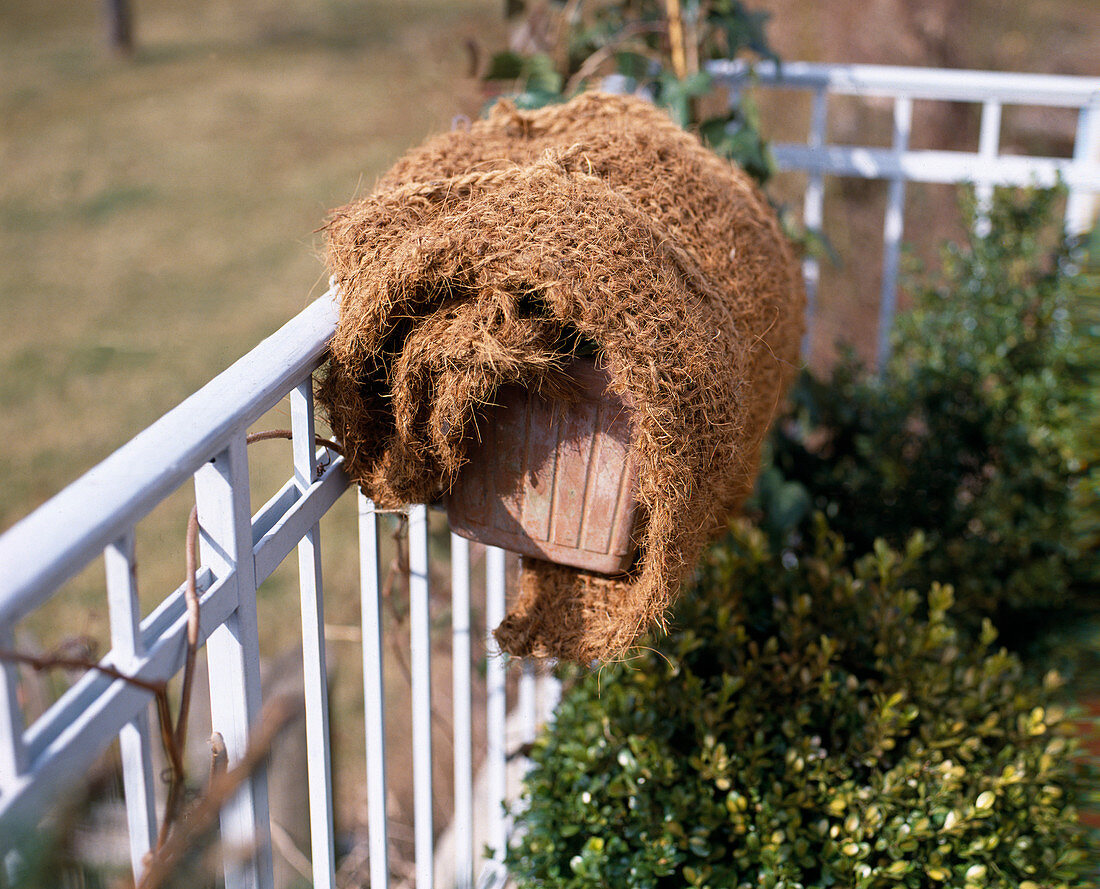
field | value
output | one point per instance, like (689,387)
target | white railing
(204,440)
(986,168)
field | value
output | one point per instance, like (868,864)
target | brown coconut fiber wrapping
(483,257)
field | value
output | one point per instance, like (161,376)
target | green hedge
(982,431)
(803,725)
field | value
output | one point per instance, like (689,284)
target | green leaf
(505,66)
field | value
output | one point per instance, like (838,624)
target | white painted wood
(528,703)
(463,714)
(528,717)
(991,88)
(989,142)
(813,212)
(136,750)
(12,864)
(496,703)
(13,753)
(233,656)
(1081,207)
(303,513)
(488,870)
(162,618)
(162,634)
(986,168)
(551,696)
(135,745)
(122,601)
(271,513)
(57,540)
(314,670)
(63,743)
(941,84)
(374,691)
(893,227)
(937,166)
(420,654)
(60,745)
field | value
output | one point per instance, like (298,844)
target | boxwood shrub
(981,430)
(805,725)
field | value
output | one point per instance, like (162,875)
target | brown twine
(41,663)
(269,434)
(159,690)
(458,185)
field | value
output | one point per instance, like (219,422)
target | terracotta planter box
(551,479)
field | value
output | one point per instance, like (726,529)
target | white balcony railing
(204,440)
(986,168)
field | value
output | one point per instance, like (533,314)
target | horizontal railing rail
(938,166)
(936,84)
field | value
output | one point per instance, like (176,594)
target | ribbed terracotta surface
(552,480)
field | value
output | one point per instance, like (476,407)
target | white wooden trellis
(204,439)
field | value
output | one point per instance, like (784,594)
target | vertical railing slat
(13,752)
(813,214)
(528,702)
(496,705)
(463,723)
(989,143)
(420,654)
(892,232)
(527,707)
(551,696)
(374,691)
(314,669)
(135,739)
(1086,147)
(233,656)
